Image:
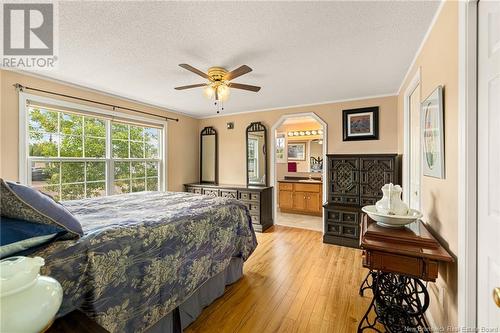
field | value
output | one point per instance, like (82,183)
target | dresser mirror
(208,156)
(256,154)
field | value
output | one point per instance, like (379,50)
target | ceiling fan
(219,83)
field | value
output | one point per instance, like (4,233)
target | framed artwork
(280,148)
(360,124)
(297,151)
(433,134)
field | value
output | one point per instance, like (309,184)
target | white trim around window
(24,175)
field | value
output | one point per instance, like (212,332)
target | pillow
(26,203)
(19,235)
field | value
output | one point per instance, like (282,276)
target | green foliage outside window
(54,134)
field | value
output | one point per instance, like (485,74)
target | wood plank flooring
(292,283)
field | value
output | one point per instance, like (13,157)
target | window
(74,155)
(280,148)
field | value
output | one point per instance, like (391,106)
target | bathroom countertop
(301,181)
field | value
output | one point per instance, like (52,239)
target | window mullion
(109,160)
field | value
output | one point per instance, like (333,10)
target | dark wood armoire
(355,181)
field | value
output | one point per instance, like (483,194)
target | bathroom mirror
(316,155)
(256,154)
(208,156)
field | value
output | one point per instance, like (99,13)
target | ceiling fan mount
(216,73)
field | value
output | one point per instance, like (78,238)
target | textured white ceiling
(300,52)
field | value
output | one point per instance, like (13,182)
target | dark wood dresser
(258,199)
(355,181)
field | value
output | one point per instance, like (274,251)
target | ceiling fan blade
(237,72)
(244,87)
(195,70)
(190,86)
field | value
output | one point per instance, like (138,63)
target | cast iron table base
(399,303)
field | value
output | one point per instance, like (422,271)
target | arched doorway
(287,118)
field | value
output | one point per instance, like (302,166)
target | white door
(415,143)
(488,199)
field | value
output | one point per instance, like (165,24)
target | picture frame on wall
(432,133)
(296,151)
(360,124)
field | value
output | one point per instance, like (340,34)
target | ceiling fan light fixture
(208,91)
(223,92)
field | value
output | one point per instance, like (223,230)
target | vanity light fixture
(305,133)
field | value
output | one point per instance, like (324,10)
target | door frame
(414,83)
(273,179)
(467,164)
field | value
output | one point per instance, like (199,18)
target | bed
(149,260)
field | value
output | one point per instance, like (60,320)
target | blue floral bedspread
(143,254)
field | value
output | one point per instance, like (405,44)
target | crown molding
(299,105)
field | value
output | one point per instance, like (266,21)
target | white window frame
(24,158)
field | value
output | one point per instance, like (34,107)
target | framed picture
(360,124)
(297,151)
(433,134)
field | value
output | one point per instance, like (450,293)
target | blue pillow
(26,203)
(18,235)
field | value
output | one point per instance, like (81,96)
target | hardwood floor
(292,283)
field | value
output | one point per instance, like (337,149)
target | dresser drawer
(368,201)
(333,229)
(286,186)
(253,207)
(195,190)
(255,219)
(232,194)
(211,192)
(249,196)
(341,199)
(308,188)
(342,216)
(333,215)
(351,231)
(350,217)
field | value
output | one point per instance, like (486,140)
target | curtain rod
(21,88)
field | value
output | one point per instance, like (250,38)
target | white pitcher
(29,301)
(391,203)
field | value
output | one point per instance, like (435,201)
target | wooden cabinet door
(313,202)
(299,200)
(286,199)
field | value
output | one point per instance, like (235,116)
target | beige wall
(232,142)
(438,62)
(183,136)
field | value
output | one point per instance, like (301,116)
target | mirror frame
(209,130)
(257,127)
